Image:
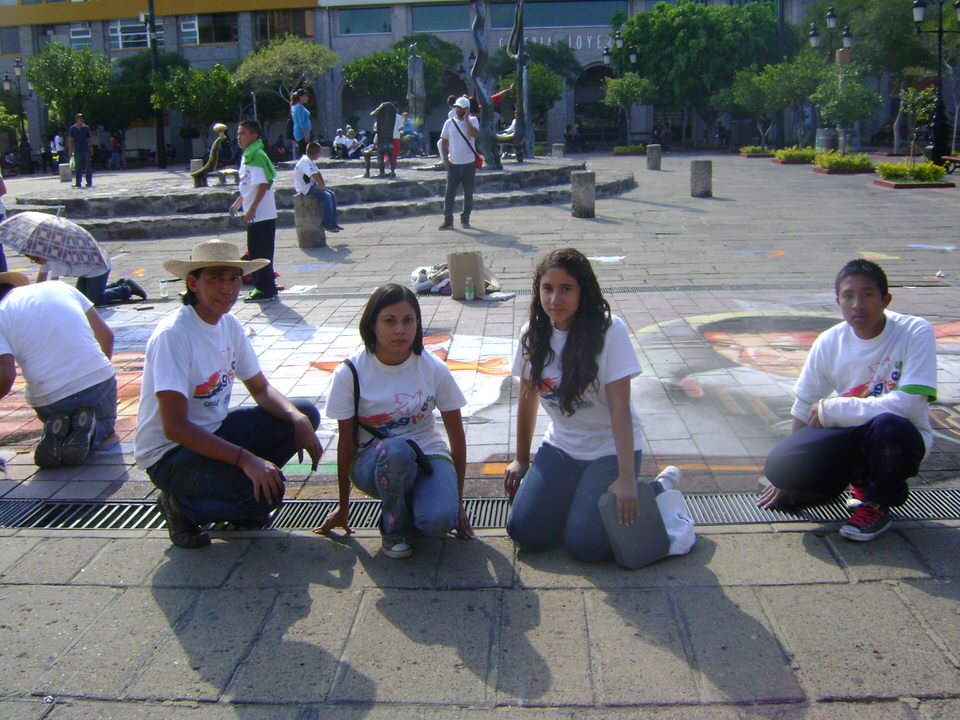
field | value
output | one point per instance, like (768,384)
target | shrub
(832,160)
(752,150)
(630,150)
(796,154)
(921,172)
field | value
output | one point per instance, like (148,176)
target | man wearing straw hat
(63,347)
(211,464)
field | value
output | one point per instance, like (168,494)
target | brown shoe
(182,533)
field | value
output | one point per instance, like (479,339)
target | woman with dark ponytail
(578,360)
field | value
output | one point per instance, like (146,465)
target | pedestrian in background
(81,149)
(459,156)
(300,119)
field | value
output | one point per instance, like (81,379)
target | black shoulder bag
(422,461)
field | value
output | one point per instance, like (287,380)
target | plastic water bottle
(164,293)
(468,293)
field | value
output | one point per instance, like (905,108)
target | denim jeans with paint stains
(410,501)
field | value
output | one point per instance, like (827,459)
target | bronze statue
(416,88)
(200,176)
(385,117)
(515,49)
(487,140)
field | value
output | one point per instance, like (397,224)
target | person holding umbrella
(63,347)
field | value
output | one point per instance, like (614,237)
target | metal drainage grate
(484,513)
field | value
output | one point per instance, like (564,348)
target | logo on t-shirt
(885,377)
(410,409)
(218,381)
(549,392)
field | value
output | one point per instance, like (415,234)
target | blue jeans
(98,292)
(83,163)
(879,456)
(409,500)
(328,201)
(102,398)
(557,503)
(208,490)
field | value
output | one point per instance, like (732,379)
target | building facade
(352,28)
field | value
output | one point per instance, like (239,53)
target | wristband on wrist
(239,455)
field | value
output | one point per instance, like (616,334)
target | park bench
(951,162)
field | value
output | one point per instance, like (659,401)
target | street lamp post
(624,119)
(841,57)
(26,161)
(150,19)
(938,146)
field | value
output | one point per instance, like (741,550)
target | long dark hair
(382,297)
(578,361)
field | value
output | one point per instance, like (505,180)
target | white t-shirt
(304,166)
(397,399)
(398,127)
(201,362)
(587,434)
(341,140)
(46,329)
(857,372)
(461,153)
(251,177)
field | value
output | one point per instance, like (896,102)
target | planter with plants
(794,156)
(630,150)
(755,151)
(904,175)
(831,162)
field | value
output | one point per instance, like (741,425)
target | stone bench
(308,219)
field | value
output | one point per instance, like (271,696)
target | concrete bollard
(196,164)
(583,191)
(654,154)
(65,174)
(701,178)
(308,219)
(557,150)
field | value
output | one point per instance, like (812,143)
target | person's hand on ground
(512,476)
(337,519)
(464,530)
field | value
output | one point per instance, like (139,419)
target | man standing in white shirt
(307,180)
(458,152)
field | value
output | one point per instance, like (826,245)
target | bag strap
(376,432)
(457,126)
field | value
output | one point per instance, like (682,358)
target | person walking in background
(459,155)
(57,147)
(383,400)
(259,207)
(300,119)
(307,180)
(81,149)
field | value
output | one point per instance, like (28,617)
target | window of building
(30,2)
(7,2)
(130,33)
(277,23)
(558,13)
(430,18)
(79,35)
(203,29)
(10,41)
(365,20)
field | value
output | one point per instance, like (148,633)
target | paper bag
(463,265)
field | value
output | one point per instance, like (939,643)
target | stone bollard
(583,192)
(557,150)
(701,178)
(654,154)
(308,218)
(65,174)
(196,164)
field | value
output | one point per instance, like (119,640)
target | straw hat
(14,278)
(213,253)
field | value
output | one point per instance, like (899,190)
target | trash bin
(826,139)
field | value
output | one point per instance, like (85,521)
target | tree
(67,80)
(691,51)
(918,106)
(429,45)
(383,76)
(844,99)
(751,92)
(545,89)
(624,92)
(285,64)
(203,96)
(560,58)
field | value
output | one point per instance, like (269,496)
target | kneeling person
(860,414)
(307,180)
(210,464)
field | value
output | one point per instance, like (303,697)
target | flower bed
(630,150)
(755,151)
(831,162)
(795,156)
(906,175)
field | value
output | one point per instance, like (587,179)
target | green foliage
(8,120)
(203,96)
(627,90)
(796,155)
(832,160)
(844,99)
(693,50)
(382,76)
(545,89)
(630,150)
(560,58)
(67,80)
(904,170)
(918,106)
(285,64)
(753,150)
(429,45)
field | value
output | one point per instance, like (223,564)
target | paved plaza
(723,297)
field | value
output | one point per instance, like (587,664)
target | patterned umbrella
(54,238)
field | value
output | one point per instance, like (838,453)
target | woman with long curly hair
(578,360)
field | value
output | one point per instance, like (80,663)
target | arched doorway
(598,123)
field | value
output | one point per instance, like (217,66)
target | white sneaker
(669,478)
(397,551)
